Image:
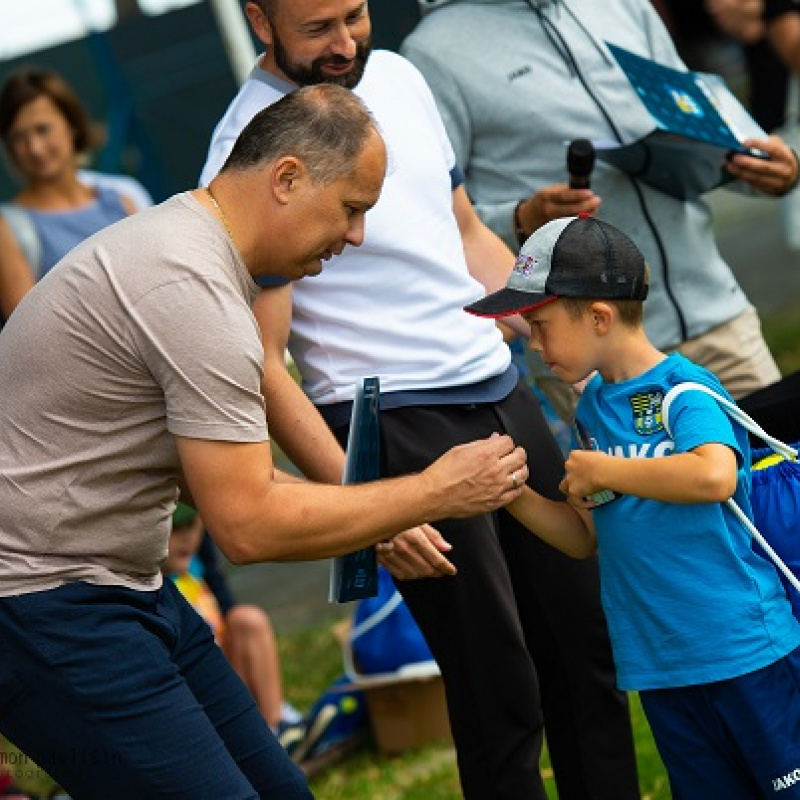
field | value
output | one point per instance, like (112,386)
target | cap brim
(507,302)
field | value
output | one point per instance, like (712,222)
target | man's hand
(416,553)
(479,477)
(775,176)
(475,478)
(554,202)
(741,19)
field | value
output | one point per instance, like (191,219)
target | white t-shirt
(394,306)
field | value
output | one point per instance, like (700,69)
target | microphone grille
(580,157)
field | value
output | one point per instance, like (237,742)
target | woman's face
(41,142)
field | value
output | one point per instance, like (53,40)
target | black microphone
(580,163)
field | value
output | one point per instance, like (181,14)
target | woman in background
(46,134)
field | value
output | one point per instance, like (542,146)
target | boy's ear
(602,315)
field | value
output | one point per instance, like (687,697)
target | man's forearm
(253,517)
(297,427)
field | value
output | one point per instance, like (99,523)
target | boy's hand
(583,478)
(706,474)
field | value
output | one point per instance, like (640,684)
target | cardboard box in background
(408,713)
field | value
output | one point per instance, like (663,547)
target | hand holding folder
(698,124)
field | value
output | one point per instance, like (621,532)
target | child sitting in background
(245,633)
(700,624)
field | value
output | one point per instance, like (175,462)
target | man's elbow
(253,544)
(237,549)
(239,555)
(236,537)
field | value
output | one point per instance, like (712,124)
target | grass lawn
(312,659)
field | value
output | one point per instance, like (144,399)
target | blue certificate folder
(355,576)
(698,123)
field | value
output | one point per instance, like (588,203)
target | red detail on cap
(501,314)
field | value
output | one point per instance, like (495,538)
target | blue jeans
(121,693)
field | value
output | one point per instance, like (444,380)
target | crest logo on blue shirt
(647,412)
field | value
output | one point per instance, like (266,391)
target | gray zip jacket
(516,80)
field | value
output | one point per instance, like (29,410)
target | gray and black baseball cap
(569,257)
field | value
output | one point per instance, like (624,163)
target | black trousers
(519,633)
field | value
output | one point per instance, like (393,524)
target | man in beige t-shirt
(132,370)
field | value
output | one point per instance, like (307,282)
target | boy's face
(183,544)
(566,343)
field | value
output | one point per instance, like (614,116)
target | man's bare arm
(253,517)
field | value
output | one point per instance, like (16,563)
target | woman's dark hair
(28,84)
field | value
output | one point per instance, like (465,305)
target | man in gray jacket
(515,80)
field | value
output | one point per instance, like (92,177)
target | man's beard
(310,76)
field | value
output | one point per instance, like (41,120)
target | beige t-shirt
(143,331)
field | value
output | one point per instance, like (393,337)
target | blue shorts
(737,739)
(124,694)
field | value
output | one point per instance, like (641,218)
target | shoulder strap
(733,411)
(25,233)
(751,425)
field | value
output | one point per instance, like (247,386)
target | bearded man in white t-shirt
(516,628)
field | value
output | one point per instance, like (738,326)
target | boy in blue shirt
(700,624)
